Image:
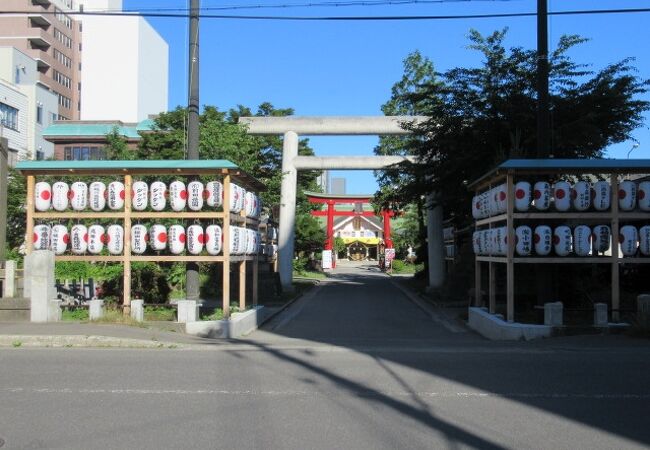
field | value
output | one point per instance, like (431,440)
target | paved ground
(353,365)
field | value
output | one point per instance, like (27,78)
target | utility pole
(192,268)
(4,162)
(543,118)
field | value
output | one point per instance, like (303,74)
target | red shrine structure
(364,234)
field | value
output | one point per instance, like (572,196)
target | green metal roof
(128,164)
(130,131)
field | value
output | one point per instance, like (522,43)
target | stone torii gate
(291,127)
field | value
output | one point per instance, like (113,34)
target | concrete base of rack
(496,329)
(240,324)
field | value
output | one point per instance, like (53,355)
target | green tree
(16,212)
(116,147)
(311,235)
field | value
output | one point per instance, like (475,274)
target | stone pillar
(643,303)
(435,244)
(553,314)
(188,311)
(95,309)
(287,210)
(39,285)
(9,285)
(137,310)
(600,315)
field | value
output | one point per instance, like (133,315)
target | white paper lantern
(582,240)
(195,239)
(522,196)
(213,239)
(628,239)
(96,239)
(501,198)
(500,241)
(139,195)
(42,196)
(251,244)
(116,195)
(235,198)
(42,237)
(644,239)
(562,240)
(562,195)
(234,240)
(601,195)
(158,195)
(242,198)
(60,193)
(581,196)
(139,239)
(476,207)
(215,194)
(542,195)
(543,240)
(176,239)
(79,196)
(643,195)
(626,195)
(177,195)
(195,192)
(249,204)
(158,237)
(115,239)
(524,240)
(601,236)
(97,195)
(59,239)
(476,244)
(79,239)
(487,242)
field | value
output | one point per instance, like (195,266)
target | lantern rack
(126,170)
(514,169)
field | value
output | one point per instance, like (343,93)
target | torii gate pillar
(287,225)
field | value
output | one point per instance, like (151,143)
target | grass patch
(403,267)
(16,344)
(114,315)
(217,314)
(310,274)
(159,314)
(74,315)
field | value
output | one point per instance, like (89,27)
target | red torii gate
(332,199)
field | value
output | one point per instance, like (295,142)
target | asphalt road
(344,368)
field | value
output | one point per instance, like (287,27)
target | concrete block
(188,311)
(240,324)
(39,283)
(9,283)
(643,303)
(137,310)
(553,312)
(494,328)
(54,312)
(600,315)
(95,309)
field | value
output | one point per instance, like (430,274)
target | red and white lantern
(644,240)
(562,195)
(581,196)
(500,241)
(476,207)
(158,237)
(601,195)
(215,194)
(97,194)
(643,195)
(562,240)
(115,239)
(601,236)
(522,196)
(177,196)
(139,239)
(543,240)
(213,239)
(582,240)
(234,240)
(116,195)
(96,239)
(79,196)
(487,241)
(157,195)
(79,239)
(251,243)
(629,240)
(501,198)
(139,195)
(236,200)
(249,204)
(476,242)
(195,239)
(59,239)
(195,192)
(60,194)
(524,240)
(42,196)
(542,195)
(176,239)
(42,237)
(626,195)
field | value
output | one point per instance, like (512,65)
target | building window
(60,57)
(63,38)
(62,79)
(65,102)
(39,114)
(83,153)
(53,117)
(9,117)
(63,18)
(40,155)
(17,75)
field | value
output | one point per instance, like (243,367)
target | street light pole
(543,119)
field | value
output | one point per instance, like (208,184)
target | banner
(327,259)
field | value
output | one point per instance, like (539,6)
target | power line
(341,18)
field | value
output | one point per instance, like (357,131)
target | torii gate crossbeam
(290,127)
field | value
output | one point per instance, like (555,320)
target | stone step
(14,309)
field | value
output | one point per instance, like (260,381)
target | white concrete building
(27,106)
(125,66)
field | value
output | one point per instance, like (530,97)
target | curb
(77,341)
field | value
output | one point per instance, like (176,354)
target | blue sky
(348,68)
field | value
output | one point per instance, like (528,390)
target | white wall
(10,95)
(153,71)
